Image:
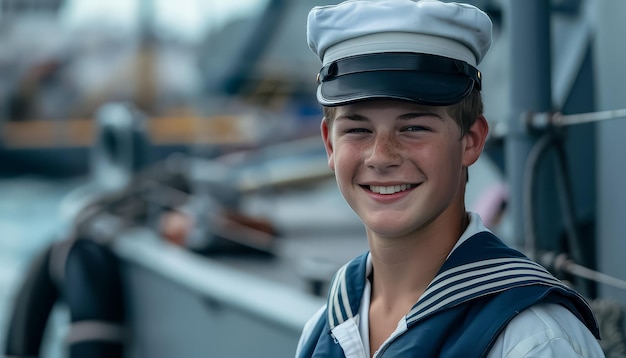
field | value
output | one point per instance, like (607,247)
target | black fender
(33,303)
(92,289)
(89,283)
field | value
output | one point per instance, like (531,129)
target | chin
(387,229)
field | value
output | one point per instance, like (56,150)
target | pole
(530,92)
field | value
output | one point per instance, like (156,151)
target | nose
(383,153)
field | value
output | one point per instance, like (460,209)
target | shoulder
(309,329)
(546,330)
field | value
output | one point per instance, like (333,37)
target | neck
(404,267)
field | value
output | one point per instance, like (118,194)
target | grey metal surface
(183,305)
(610,56)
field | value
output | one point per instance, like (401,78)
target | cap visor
(426,88)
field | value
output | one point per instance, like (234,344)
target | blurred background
(161,170)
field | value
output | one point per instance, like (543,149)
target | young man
(402,123)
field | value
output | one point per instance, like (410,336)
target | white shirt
(543,330)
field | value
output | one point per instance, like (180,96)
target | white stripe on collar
(339,288)
(484,277)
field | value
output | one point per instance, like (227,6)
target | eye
(356,130)
(414,129)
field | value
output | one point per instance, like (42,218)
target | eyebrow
(352,117)
(406,116)
(413,115)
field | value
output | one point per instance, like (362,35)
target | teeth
(389,189)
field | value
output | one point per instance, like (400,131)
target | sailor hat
(420,51)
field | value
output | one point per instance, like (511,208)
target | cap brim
(435,89)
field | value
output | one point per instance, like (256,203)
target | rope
(609,316)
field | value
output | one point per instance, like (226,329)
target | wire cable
(530,169)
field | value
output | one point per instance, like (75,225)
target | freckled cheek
(345,159)
(440,158)
(449,164)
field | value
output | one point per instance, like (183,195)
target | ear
(475,141)
(328,144)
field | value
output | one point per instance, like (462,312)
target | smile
(391,189)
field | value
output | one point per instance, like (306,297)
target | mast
(530,93)
(145,80)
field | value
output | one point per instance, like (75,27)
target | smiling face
(400,165)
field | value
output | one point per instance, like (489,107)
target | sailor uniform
(482,286)
(428,52)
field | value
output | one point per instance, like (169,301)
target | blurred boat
(261,272)
(246,78)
